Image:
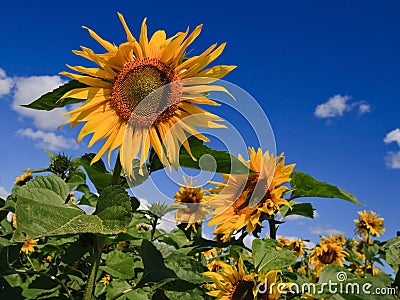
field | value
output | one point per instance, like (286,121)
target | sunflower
(297,246)
(368,223)
(245,200)
(193,197)
(29,245)
(326,254)
(268,285)
(283,241)
(335,239)
(146,90)
(106,279)
(231,282)
(24,178)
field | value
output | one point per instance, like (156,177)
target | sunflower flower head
(144,93)
(283,241)
(326,254)
(297,246)
(368,223)
(24,178)
(245,200)
(193,198)
(106,279)
(29,245)
(231,282)
(268,285)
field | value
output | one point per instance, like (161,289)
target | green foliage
(304,185)
(41,211)
(269,255)
(391,248)
(297,208)
(119,265)
(51,100)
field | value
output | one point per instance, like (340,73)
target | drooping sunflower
(29,245)
(297,246)
(244,200)
(368,223)
(147,90)
(24,178)
(283,241)
(326,254)
(193,197)
(231,282)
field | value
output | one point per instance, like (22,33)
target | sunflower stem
(272,228)
(153,227)
(97,250)
(99,241)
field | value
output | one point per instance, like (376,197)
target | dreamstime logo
(330,287)
(246,125)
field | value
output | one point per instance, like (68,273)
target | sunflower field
(75,228)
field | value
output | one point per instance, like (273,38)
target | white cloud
(6,83)
(3,191)
(335,106)
(364,109)
(29,89)
(393,136)
(338,105)
(324,231)
(48,140)
(392,158)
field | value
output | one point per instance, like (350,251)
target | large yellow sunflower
(126,75)
(231,282)
(193,197)
(243,200)
(368,223)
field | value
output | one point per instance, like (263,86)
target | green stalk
(272,229)
(99,242)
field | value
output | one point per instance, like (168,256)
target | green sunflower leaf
(299,209)
(97,172)
(391,248)
(41,211)
(51,100)
(119,265)
(269,255)
(211,160)
(304,185)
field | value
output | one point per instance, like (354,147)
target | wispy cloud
(338,105)
(319,230)
(393,137)
(392,158)
(364,109)
(48,140)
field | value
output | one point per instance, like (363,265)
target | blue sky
(325,73)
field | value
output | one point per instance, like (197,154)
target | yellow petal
(129,35)
(107,45)
(143,40)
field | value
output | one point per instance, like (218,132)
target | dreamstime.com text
(330,287)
